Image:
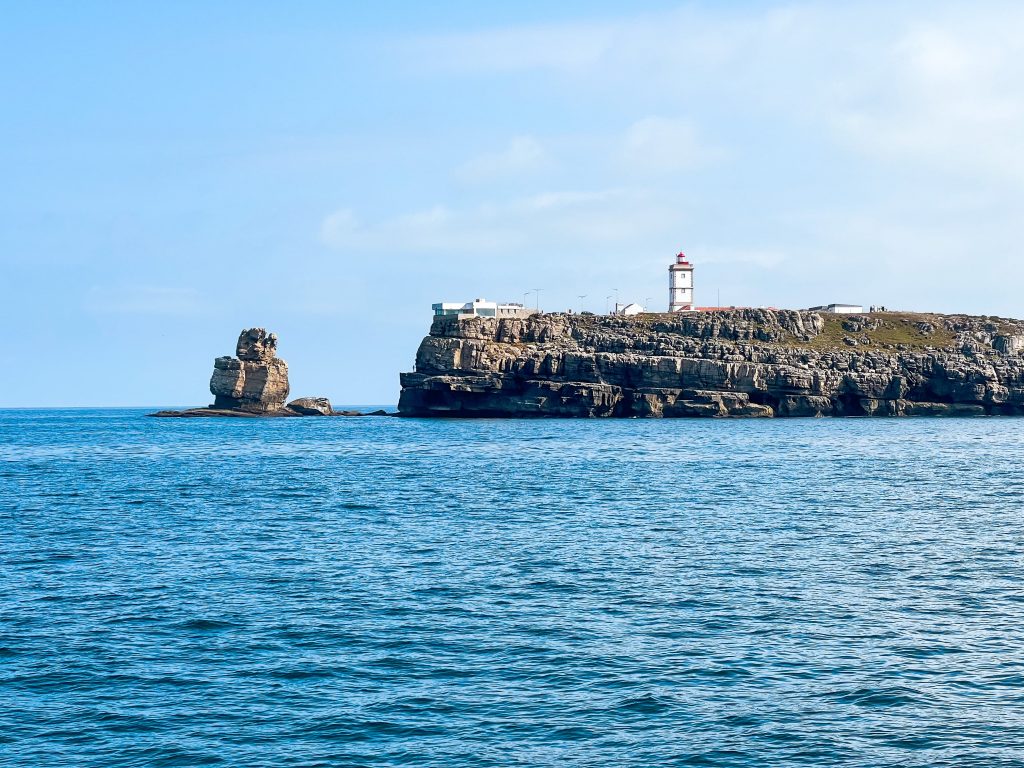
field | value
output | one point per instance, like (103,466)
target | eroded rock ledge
(752,362)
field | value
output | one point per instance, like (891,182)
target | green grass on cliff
(895,329)
(906,330)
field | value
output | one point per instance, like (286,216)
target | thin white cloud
(952,101)
(944,95)
(522,156)
(571,219)
(339,226)
(562,47)
(673,49)
(665,145)
(755,257)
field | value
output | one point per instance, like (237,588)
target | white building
(839,309)
(628,310)
(680,284)
(481,308)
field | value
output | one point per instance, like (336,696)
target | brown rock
(255,344)
(256,381)
(312,406)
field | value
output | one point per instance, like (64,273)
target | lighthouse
(680,284)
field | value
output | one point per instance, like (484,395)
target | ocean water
(385,592)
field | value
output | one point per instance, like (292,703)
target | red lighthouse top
(681,258)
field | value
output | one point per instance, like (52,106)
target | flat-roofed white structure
(481,308)
(839,309)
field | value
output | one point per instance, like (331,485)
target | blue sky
(173,173)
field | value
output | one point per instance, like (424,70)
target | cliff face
(751,362)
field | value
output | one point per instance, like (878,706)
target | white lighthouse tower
(680,284)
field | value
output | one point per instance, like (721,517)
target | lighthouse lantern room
(680,284)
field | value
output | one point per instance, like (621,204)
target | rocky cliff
(751,362)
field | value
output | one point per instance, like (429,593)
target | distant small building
(839,309)
(628,310)
(481,308)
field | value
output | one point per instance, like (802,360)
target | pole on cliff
(581,297)
(538,290)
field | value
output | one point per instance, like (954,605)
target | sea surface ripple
(386,592)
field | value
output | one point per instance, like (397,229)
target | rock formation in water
(311,406)
(749,362)
(255,383)
(256,380)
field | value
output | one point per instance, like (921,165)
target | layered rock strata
(751,362)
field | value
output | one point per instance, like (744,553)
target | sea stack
(256,380)
(254,383)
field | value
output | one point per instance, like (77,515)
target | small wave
(174,756)
(573,733)
(647,704)
(303,674)
(714,758)
(206,625)
(924,652)
(878,697)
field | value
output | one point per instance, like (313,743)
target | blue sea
(391,592)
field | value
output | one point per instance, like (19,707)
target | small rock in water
(312,406)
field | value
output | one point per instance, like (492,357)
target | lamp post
(538,290)
(606,298)
(581,297)
(647,304)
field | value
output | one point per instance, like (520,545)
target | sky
(175,172)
